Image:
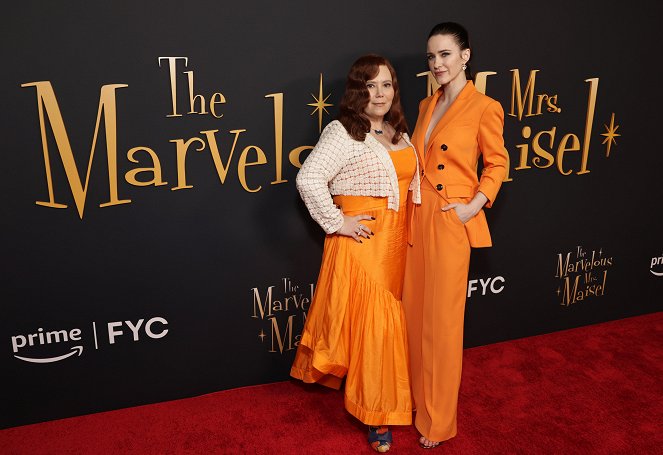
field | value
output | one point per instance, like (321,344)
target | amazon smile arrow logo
(153,328)
(74,349)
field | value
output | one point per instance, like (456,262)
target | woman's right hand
(352,227)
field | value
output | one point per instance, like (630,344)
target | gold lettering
(277,333)
(524,149)
(575,146)
(173,85)
(221,169)
(563,266)
(182,148)
(259,306)
(542,153)
(570,294)
(516,94)
(602,285)
(46,99)
(480,80)
(295,155)
(193,98)
(278,135)
(589,120)
(552,104)
(287,300)
(217,98)
(130,176)
(243,163)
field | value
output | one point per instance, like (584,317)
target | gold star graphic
(320,104)
(610,134)
(262,336)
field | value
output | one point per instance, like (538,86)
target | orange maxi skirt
(355,327)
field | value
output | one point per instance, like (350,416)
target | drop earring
(464,66)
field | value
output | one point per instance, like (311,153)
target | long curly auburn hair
(356,97)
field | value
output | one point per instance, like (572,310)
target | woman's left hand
(466,212)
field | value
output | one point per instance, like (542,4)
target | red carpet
(591,390)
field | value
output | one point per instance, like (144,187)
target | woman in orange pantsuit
(355,184)
(456,125)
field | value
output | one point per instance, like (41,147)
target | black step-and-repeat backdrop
(154,246)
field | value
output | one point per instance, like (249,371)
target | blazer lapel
(420,138)
(448,116)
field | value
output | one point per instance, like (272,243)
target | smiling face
(381,94)
(446,59)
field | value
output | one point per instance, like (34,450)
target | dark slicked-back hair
(460,35)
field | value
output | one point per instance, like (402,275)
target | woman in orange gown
(355,184)
(456,126)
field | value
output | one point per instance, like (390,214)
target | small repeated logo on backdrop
(490,285)
(281,310)
(57,344)
(582,274)
(656,266)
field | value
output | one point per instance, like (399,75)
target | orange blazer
(472,127)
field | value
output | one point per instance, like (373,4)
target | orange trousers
(434,303)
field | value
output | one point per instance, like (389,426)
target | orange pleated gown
(355,327)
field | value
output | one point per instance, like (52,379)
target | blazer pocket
(459,190)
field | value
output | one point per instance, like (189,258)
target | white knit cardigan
(340,165)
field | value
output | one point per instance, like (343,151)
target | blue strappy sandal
(380,438)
